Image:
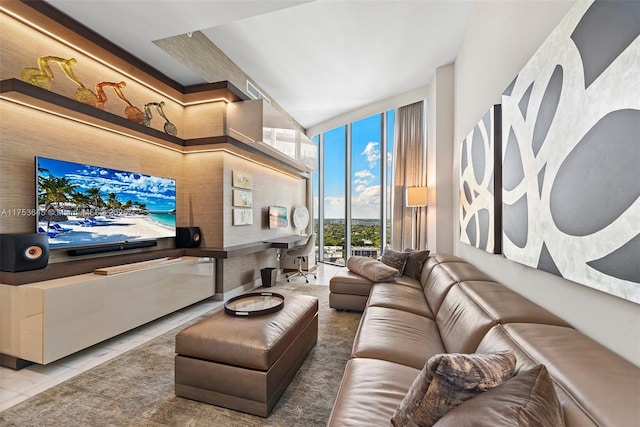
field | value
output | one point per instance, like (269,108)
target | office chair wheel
(306,280)
(288,280)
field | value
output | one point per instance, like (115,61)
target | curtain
(409,225)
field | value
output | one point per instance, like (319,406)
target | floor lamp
(416,198)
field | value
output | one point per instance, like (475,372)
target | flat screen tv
(81,205)
(278,217)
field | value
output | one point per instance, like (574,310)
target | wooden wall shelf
(35,97)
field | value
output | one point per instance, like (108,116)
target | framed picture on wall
(242,216)
(242,198)
(241,180)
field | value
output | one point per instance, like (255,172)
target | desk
(220,254)
(288,242)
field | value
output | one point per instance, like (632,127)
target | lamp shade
(417,196)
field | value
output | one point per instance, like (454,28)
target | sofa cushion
(371,269)
(397,336)
(348,282)
(447,380)
(507,306)
(497,339)
(602,383)
(437,285)
(414,264)
(528,399)
(369,392)
(462,323)
(462,272)
(406,281)
(400,297)
(395,259)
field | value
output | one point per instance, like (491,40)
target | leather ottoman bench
(245,363)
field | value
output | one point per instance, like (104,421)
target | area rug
(137,387)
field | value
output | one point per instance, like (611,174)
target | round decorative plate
(254,304)
(301,217)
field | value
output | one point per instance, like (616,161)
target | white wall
(440,139)
(500,39)
(394,102)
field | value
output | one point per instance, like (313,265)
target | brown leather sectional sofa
(455,308)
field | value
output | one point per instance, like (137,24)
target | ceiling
(318,59)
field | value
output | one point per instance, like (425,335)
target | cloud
(367,203)
(363,177)
(371,153)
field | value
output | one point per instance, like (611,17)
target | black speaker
(23,252)
(188,237)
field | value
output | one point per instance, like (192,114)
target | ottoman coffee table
(245,363)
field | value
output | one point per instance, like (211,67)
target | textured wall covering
(480,184)
(571,151)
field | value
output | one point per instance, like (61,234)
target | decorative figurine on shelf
(169,127)
(131,112)
(43,75)
(40,76)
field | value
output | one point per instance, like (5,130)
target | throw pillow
(446,381)
(371,269)
(415,261)
(528,399)
(395,259)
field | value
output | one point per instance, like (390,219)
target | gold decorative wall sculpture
(43,75)
(131,112)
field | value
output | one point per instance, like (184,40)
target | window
(352,188)
(365,186)
(333,182)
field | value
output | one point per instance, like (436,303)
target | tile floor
(16,386)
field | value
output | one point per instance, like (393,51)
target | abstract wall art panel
(480,184)
(571,151)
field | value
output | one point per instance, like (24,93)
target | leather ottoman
(245,363)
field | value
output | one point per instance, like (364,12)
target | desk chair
(301,253)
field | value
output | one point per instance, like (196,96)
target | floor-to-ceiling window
(365,186)
(333,182)
(351,188)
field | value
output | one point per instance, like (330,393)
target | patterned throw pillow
(415,261)
(395,259)
(446,381)
(528,399)
(371,269)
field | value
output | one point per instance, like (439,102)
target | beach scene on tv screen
(83,205)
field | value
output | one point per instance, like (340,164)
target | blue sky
(155,192)
(365,177)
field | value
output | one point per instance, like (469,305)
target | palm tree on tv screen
(94,197)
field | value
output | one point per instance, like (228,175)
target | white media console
(44,321)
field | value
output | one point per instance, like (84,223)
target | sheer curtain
(410,170)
